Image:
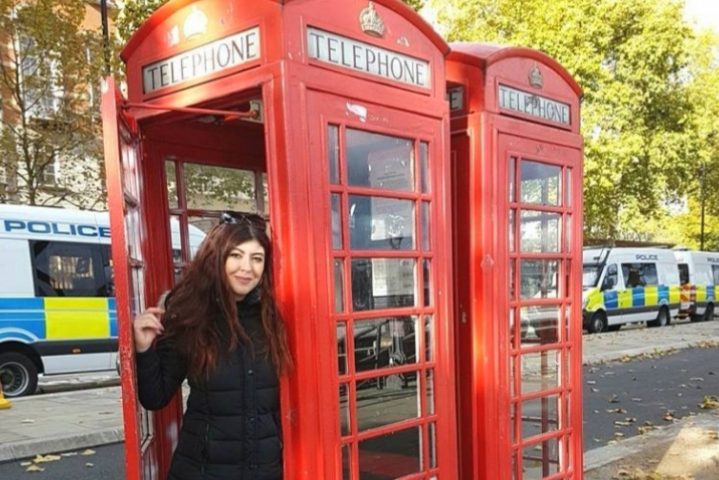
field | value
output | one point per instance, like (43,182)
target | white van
(628,285)
(699,276)
(57,305)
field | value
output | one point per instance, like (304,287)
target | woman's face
(244,267)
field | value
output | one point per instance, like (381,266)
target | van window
(715,274)
(64,269)
(639,274)
(611,277)
(683,273)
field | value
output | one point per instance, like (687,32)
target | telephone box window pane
(512,333)
(540,415)
(379,161)
(432,434)
(344,409)
(339,285)
(512,226)
(387,399)
(336,221)
(378,223)
(383,283)
(218,188)
(342,348)
(568,188)
(512,279)
(539,231)
(346,462)
(333,153)
(423,165)
(568,235)
(425,227)
(430,392)
(390,456)
(265,196)
(539,183)
(541,460)
(428,338)
(540,371)
(539,279)
(540,324)
(385,342)
(427,279)
(171,184)
(512,167)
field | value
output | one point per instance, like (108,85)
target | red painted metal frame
(480,150)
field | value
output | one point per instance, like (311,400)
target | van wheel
(598,323)
(18,375)
(662,320)
(708,313)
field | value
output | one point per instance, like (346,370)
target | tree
(633,61)
(51,139)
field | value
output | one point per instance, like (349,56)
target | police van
(57,305)
(699,276)
(629,285)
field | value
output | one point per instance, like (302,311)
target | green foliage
(649,91)
(415,4)
(49,84)
(132,14)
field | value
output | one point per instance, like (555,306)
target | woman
(222,332)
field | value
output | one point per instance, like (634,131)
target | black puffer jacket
(231,428)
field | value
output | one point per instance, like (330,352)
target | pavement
(85,417)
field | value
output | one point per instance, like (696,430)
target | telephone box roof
(485,54)
(166,10)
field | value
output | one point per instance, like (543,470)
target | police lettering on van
(56,228)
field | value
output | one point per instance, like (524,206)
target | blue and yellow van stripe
(634,298)
(57,318)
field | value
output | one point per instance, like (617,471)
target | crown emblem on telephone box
(535,77)
(370,22)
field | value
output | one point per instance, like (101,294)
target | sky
(704,12)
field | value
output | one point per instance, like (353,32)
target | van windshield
(590,275)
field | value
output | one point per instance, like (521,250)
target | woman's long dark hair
(201,310)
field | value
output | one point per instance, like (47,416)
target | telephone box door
(124,185)
(542,201)
(379,175)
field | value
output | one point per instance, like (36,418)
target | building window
(51,173)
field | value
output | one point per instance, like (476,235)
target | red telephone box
(517,190)
(330,117)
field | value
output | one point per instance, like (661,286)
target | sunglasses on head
(235,218)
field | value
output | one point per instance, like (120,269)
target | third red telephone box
(517,184)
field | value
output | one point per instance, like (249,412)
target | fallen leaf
(89,451)
(34,468)
(46,458)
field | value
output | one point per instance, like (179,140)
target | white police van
(699,277)
(57,305)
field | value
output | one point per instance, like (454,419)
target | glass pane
(427,281)
(540,371)
(568,234)
(385,342)
(512,178)
(430,392)
(425,227)
(540,460)
(381,223)
(539,231)
(432,445)
(512,227)
(540,324)
(379,161)
(540,415)
(383,283)
(336,221)
(333,153)
(342,348)
(513,414)
(539,183)
(568,188)
(218,188)
(512,333)
(512,279)
(387,399)
(344,409)
(539,278)
(265,196)
(423,165)
(428,338)
(346,462)
(171,184)
(390,456)
(339,285)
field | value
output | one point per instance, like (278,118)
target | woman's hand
(147,327)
